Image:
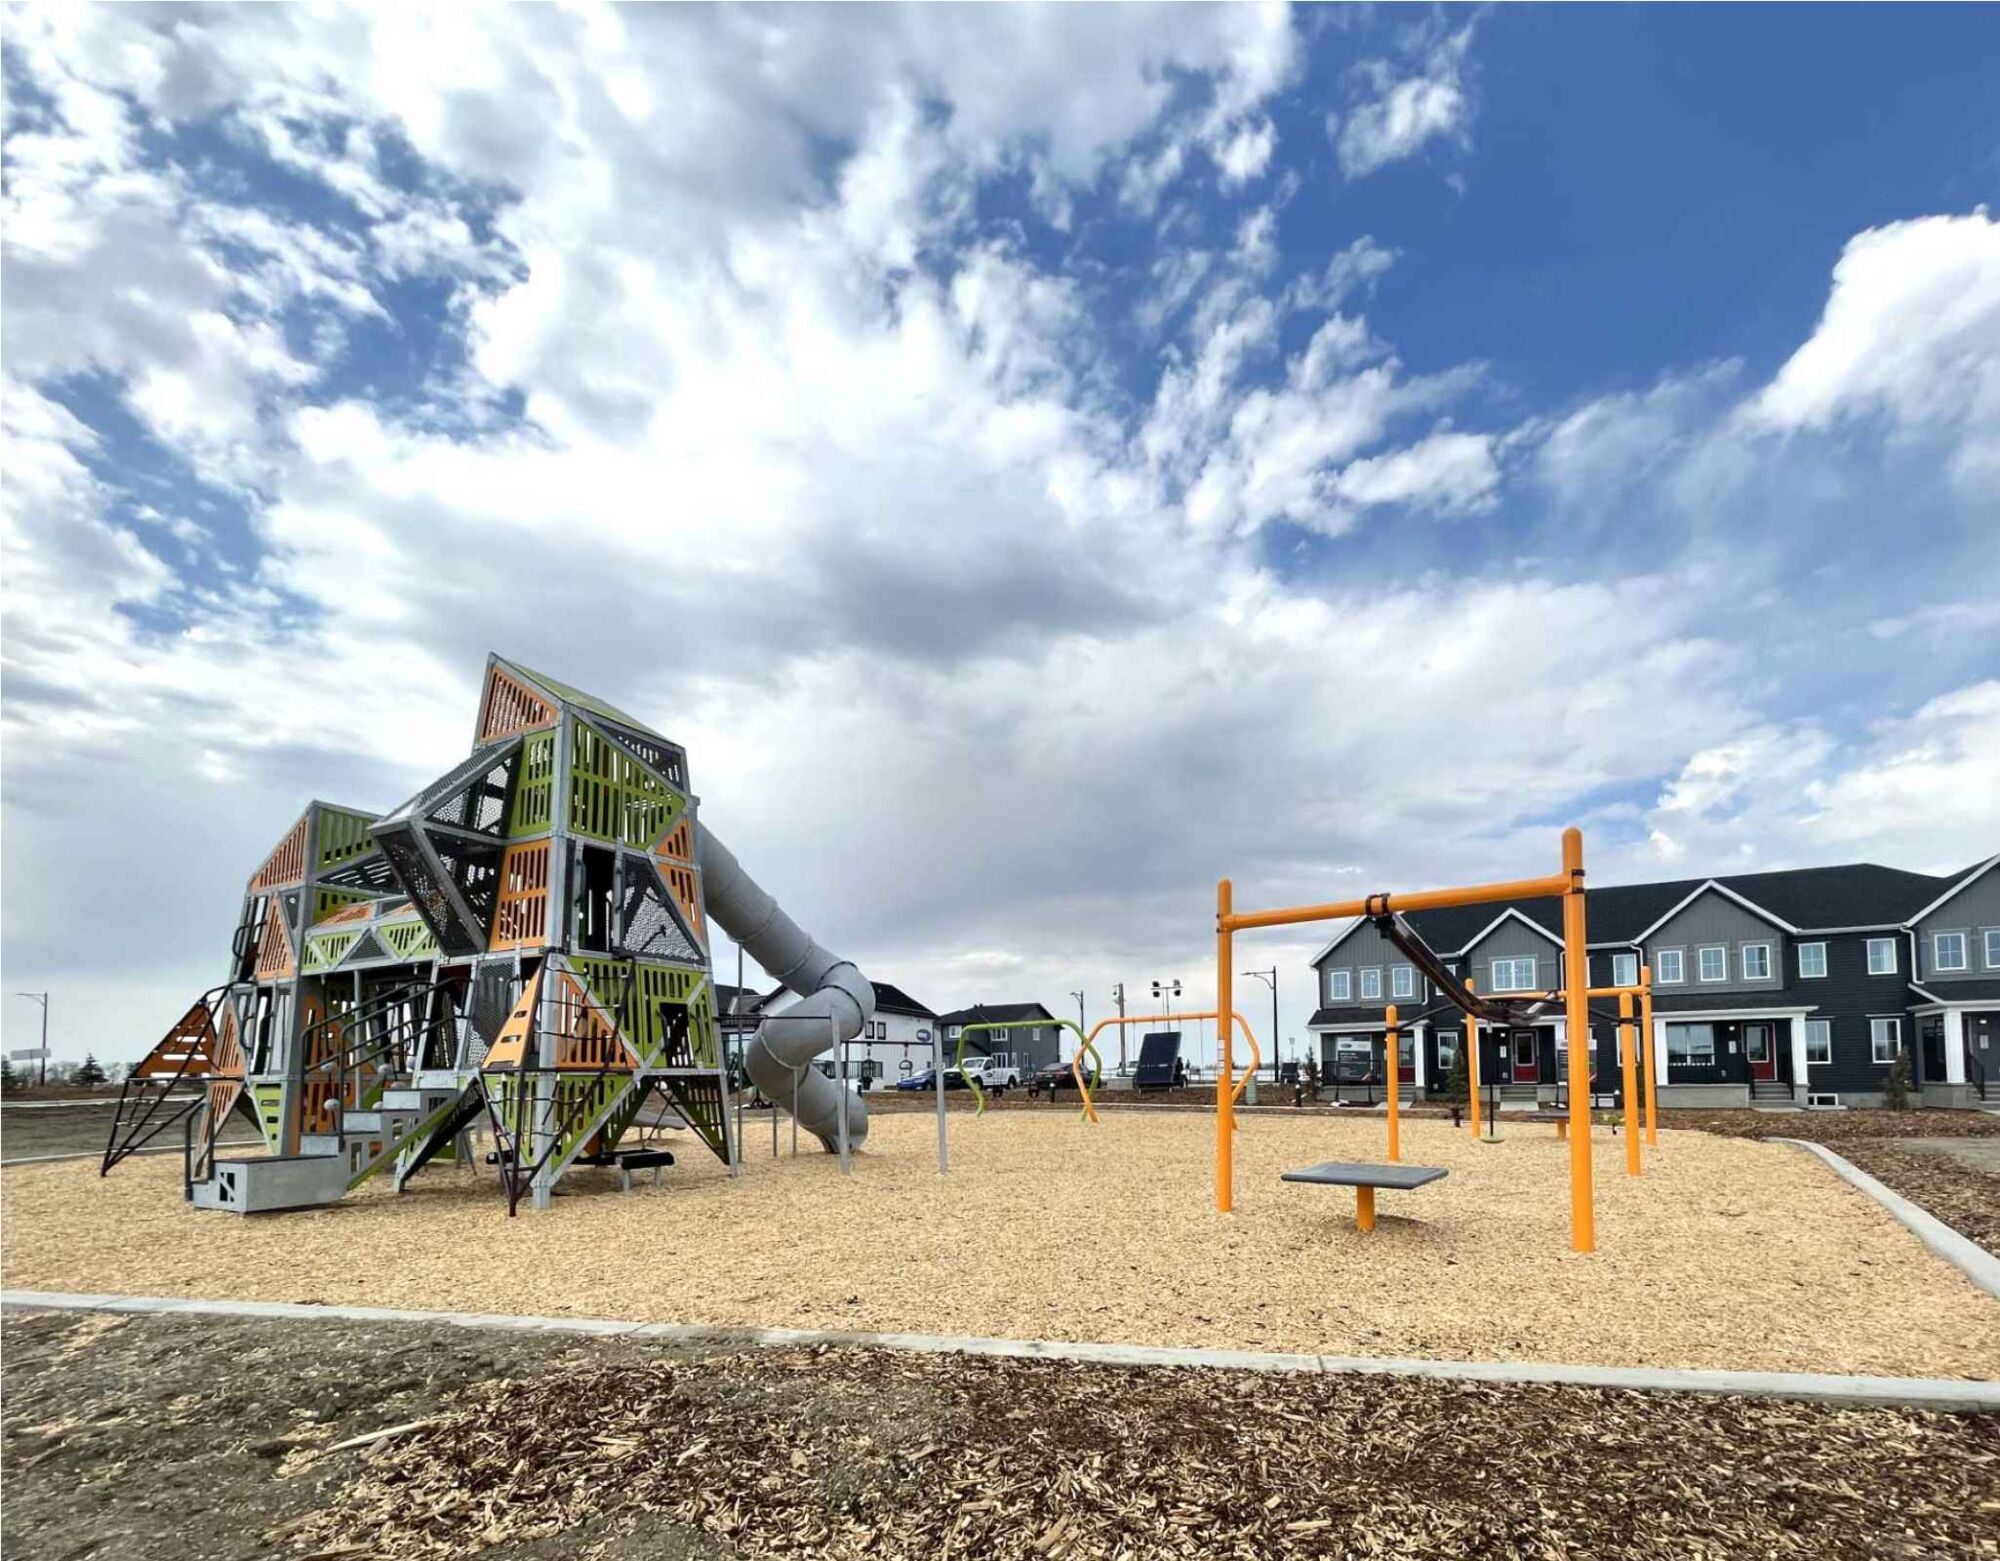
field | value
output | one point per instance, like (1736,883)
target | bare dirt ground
(1726,1254)
(82,1129)
(177,1439)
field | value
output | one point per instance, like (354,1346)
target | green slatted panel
(409,939)
(269,1100)
(613,796)
(327,901)
(343,836)
(651,986)
(534,790)
(324,950)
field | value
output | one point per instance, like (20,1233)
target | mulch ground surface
(158,1438)
(82,1128)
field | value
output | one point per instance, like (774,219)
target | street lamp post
(1270,979)
(1118,992)
(1082,1023)
(42,1075)
(1165,995)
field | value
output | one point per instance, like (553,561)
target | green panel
(343,836)
(613,796)
(269,1099)
(653,985)
(409,939)
(590,702)
(327,901)
(324,950)
(534,790)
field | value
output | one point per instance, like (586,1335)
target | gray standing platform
(1364,1178)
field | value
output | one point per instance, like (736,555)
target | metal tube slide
(779,1060)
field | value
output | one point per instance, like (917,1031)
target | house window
(1812,961)
(1624,969)
(1711,962)
(1339,986)
(1885,1039)
(1756,962)
(1881,956)
(1403,981)
(1371,984)
(1691,1045)
(1819,1040)
(1514,975)
(1993,948)
(1669,968)
(1948,951)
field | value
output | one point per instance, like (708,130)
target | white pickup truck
(995,1073)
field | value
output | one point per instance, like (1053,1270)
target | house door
(1406,1058)
(1521,1048)
(1759,1052)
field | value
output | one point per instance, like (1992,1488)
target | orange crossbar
(1382,904)
(1236,1092)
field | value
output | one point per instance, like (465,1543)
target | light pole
(1082,1023)
(1165,995)
(1270,979)
(42,998)
(1118,992)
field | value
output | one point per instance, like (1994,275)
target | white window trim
(1403,981)
(1875,1037)
(1361,987)
(1938,966)
(1620,960)
(1825,1027)
(1707,948)
(1743,962)
(1660,978)
(1339,986)
(1512,962)
(1990,937)
(1882,943)
(1812,975)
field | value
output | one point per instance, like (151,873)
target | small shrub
(1896,1083)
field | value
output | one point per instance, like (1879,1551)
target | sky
(1038,461)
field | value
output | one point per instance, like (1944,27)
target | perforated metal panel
(648,927)
(480,804)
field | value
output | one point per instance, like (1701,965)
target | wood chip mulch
(1965,1197)
(839,1453)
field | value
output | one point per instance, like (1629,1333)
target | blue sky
(1036,460)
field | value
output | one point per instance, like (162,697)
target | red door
(1522,1048)
(1757,1048)
(1406,1058)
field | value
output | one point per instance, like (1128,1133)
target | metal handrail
(136,1134)
(1974,1065)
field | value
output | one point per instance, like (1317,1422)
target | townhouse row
(1796,987)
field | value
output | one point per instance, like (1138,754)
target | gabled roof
(996,1013)
(1710,886)
(1971,876)
(893,999)
(1507,913)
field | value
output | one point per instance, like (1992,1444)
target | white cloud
(1911,332)
(1402,112)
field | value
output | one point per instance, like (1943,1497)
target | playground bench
(630,1160)
(1364,1179)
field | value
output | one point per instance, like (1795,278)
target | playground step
(261,1183)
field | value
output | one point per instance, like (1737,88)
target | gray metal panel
(1715,918)
(1348,1173)
(1971,912)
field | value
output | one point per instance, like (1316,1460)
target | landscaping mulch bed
(1964,1196)
(162,1438)
(1835,1128)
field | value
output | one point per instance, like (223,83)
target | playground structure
(522,944)
(1384,910)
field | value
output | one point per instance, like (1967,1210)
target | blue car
(953,1079)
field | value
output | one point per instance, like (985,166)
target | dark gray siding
(1512,940)
(1713,918)
(1972,911)
(1365,948)
(1849,997)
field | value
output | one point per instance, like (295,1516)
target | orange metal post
(1225,1003)
(1628,1046)
(1364,1208)
(1646,1039)
(1576,978)
(1392,1047)
(1472,1061)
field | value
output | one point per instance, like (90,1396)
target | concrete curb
(1932,1393)
(1964,1254)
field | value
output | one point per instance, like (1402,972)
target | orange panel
(511,1049)
(510,708)
(521,919)
(585,1035)
(274,949)
(189,1039)
(323,1044)
(286,865)
(676,858)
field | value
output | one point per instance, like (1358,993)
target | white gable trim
(1491,926)
(1955,890)
(1338,938)
(1727,893)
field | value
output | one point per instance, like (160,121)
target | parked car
(996,1073)
(1055,1076)
(953,1079)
